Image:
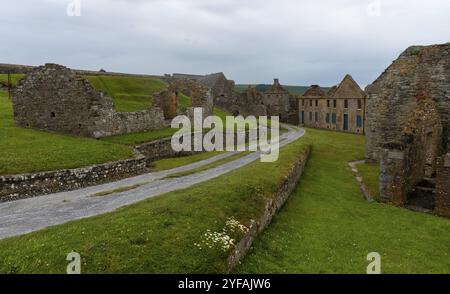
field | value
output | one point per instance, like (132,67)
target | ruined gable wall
(55,98)
(419,73)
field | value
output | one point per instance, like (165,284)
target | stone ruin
(276,101)
(221,88)
(55,98)
(408,129)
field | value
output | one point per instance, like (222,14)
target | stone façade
(55,98)
(408,128)
(340,109)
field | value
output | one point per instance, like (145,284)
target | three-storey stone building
(341,108)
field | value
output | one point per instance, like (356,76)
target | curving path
(28,215)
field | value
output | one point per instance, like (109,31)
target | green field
(370,173)
(128,93)
(328,227)
(14,79)
(169,163)
(27,150)
(158,235)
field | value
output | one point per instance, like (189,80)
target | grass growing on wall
(328,227)
(128,93)
(26,150)
(157,235)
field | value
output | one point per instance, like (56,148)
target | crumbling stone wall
(55,98)
(421,72)
(408,123)
(442,202)
(277,101)
(167,100)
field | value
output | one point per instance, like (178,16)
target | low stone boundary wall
(159,149)
(16,187)
(284,190)
(162,148)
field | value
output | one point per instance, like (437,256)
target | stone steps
(422,197)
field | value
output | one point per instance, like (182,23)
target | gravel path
(28,215)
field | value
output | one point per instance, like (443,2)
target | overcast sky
(251,41)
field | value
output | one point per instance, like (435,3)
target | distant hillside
(296,90)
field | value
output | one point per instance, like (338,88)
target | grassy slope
(209,166)
(327,226)
(156,235)
(371,177)
(141,137)
(128,93)
(26,150)
(14,79)
(169,163)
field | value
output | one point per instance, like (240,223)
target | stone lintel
(395,154)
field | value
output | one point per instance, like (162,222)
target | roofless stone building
(340,109)
(408,128)
(55,98)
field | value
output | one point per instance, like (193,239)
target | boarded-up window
(333,118)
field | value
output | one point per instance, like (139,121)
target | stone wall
(408,123)
(13,187)
(421,72)
(442,202)
(28,185)
(283,192)
(24,69)
(276,101)
(55,98)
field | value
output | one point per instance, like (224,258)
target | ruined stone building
(341,108)
(221,88)
(278,102)
(408,128)
(55,98)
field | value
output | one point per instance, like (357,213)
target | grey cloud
(252,41)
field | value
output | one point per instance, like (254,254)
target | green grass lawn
(210,165)
(27,150)
(14,79)
(140,137)
(184,102)
(370,173)
(157,235)
(170,163)
(327,226)
(128,93)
